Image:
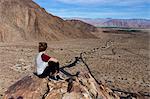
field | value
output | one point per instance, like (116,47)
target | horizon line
(105,18)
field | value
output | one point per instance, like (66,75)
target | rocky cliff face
(82,87)
(23,20)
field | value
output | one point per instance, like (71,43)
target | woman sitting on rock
(46,65)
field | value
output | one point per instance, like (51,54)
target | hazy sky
(98,8)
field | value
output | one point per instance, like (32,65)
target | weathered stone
(31,87)
(28,87)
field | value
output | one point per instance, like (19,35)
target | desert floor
(121,61)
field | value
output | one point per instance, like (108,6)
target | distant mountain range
(109,22)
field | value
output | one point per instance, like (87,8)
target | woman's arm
(45,57)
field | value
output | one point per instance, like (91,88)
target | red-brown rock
(83,87)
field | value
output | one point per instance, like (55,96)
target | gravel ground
(118,60)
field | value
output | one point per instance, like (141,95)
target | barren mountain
(24,20)
(84,27)
(131,23)
(108,22)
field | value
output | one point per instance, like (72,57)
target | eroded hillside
(24,20)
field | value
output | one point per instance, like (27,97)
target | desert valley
(117,57)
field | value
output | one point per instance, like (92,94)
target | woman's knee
(53,59)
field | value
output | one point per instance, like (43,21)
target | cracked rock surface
(83,87)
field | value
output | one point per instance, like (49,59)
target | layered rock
(24,20)
(81,87)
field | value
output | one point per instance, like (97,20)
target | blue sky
(123,9)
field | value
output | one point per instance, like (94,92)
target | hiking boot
(52,78)
(59,78)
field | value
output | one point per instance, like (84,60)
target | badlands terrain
(118,59)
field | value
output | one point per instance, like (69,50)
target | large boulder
(81,87)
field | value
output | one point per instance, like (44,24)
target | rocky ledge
(81,87)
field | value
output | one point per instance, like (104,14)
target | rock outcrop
(81,87)
(24,20)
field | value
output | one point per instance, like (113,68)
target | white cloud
(99,2)
(97,14)
(81,1)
